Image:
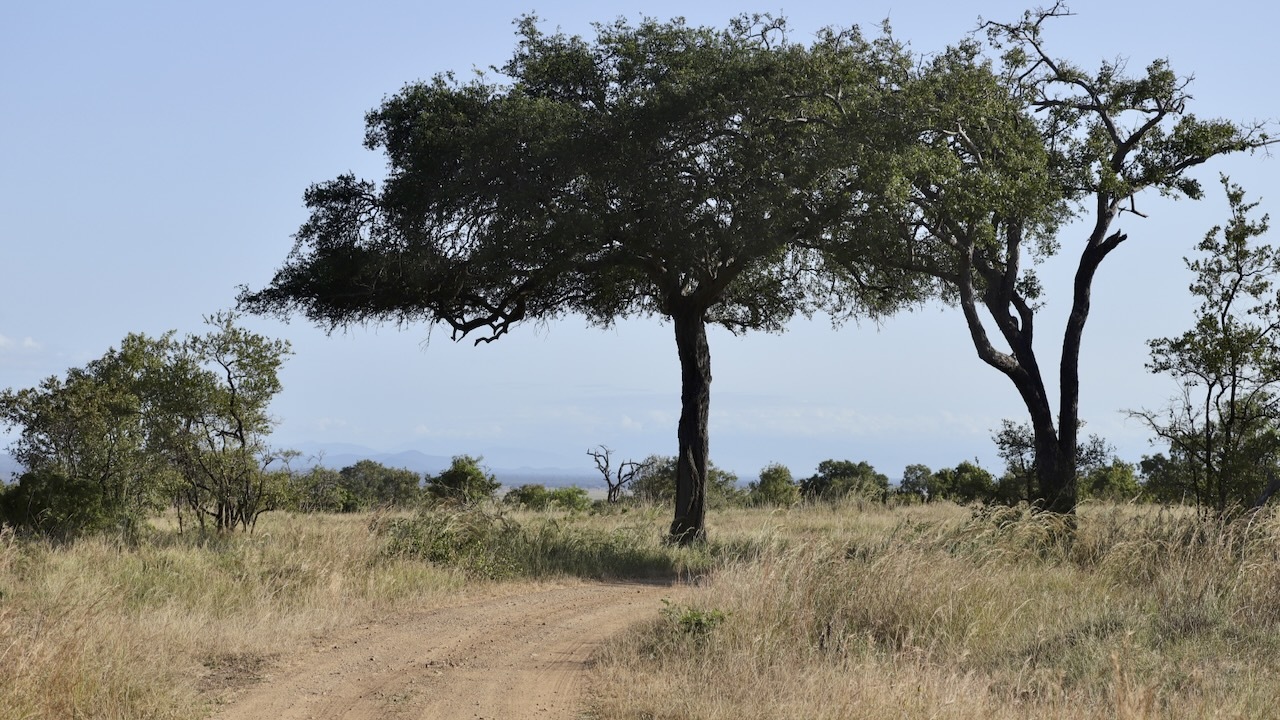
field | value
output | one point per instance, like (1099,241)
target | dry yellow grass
(815,612)
(935,613)
(156,630)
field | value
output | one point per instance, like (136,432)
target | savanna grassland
(848,611)
(947,612)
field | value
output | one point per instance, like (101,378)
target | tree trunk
(695,407)
(1055,473)
(1273,485)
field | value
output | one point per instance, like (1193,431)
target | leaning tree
(660,170)
(993,157)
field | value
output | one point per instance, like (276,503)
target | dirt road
(512,657)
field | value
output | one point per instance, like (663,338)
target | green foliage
(655,482)
(985,156)
(1114,482)
(1099,474)
(656,169)
(1224,423)
(217,421)
(965,483)
(836,479)
(463,482)
(681,121)
(1171,479)
(471,540)
(915,481)
(87,442)
(356,488)
(158,420)
(370,484)
(774,488)
(691,621)
(532,496)
(320,489)
(60,507)
(1016,445)
(538,497)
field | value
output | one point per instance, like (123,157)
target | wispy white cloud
(28,344)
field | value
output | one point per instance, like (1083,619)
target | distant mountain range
(338,456)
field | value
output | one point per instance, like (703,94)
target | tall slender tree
(993,155)
(1226,419)
(661,169)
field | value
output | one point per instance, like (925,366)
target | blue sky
(153,157)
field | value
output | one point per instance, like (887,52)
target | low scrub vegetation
(497,546)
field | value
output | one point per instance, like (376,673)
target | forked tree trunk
(688,526)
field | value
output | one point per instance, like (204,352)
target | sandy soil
(508,658)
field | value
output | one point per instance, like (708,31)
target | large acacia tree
(992,157)
(661,169)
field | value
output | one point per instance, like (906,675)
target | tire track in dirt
(512,657)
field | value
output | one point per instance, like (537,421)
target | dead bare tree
(615,479)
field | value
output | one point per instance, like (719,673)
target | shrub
(571,498)
(464,482)
(49,503)
(837,478)
(775,487)
(534,496)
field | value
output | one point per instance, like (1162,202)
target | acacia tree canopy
(660,169)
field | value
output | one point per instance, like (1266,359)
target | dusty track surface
(512,657)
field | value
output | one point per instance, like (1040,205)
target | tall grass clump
(494,544)
(1122,612)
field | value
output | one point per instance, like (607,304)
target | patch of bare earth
(511,657)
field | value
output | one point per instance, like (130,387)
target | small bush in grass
(537,497)
(472,540)
(692,621)
(465,482)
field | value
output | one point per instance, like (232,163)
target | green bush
(838,478)
(51,504)
(774,488)
(965,483)
(692,621)
(537,497)
(465,482)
